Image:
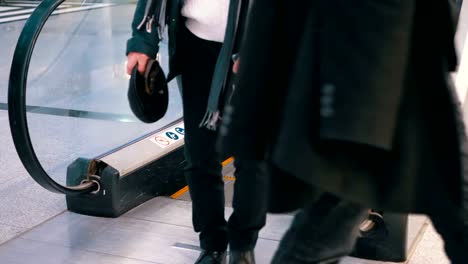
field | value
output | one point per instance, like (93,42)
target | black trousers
(324,230)
(327,228)
(203,170)
(451,222)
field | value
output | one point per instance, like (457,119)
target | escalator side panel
(120,193)
(391,247)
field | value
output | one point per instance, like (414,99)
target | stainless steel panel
(177,212)
(229,169)
(24,251)
(124,237)
(121,237)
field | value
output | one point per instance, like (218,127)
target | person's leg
(203,170)
(451,222)
(454,233)
(250,208)
(323,232)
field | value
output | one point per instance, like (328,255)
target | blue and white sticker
(169,136)
(172,135)
(180,130)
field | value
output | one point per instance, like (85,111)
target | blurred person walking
(357,111)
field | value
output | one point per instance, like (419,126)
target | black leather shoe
(211,257)
(242,257)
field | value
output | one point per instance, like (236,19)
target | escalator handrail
(17,102)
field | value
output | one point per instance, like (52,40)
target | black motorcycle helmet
(148,94)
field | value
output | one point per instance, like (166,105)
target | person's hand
(235,67)
(137,58)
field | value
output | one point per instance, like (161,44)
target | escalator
(111,183)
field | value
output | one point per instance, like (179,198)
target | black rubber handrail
(17,102)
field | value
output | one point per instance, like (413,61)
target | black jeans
(203,171)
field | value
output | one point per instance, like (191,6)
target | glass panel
(77,85)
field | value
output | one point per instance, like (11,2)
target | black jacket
(342,96)
(148,28)
(147,41)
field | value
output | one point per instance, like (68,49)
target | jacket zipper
(149,16)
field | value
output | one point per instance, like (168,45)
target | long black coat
(353,97)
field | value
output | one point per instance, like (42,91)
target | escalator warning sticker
(180,130)
(161,141)
(169,136)
(172,135)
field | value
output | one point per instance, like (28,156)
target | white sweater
(206,19)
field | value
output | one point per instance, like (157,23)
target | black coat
(353,97)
